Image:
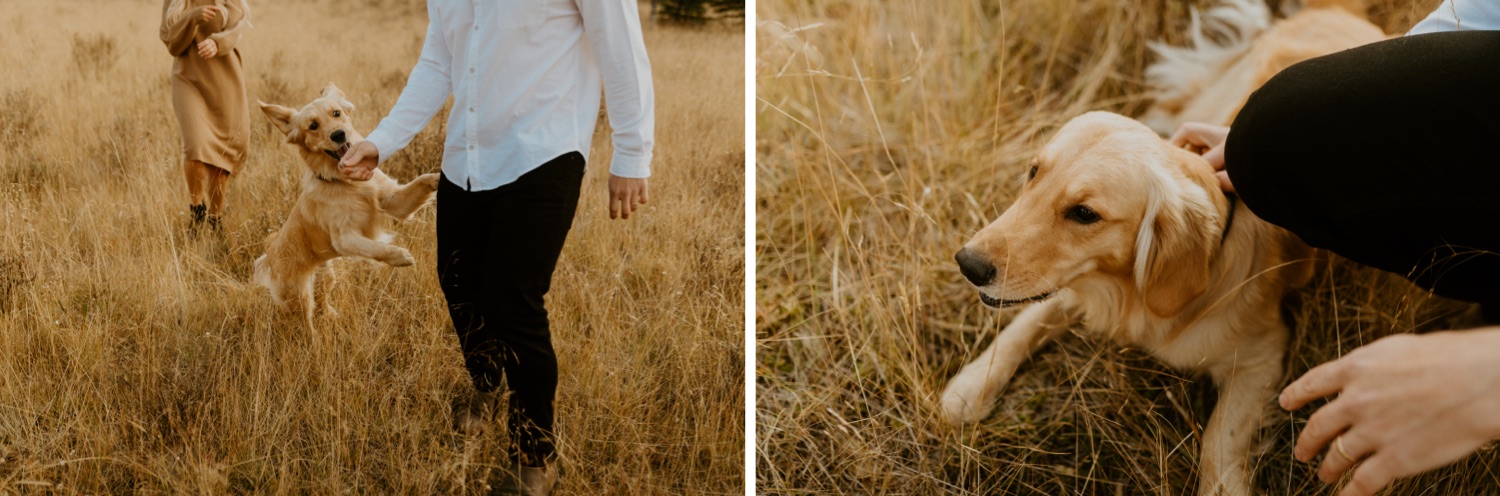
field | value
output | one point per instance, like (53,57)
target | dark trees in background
(696,11)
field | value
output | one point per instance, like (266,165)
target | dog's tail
(1219,36)
(1356,7)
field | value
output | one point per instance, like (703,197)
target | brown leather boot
(472,417)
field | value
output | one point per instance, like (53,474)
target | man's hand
(1407,404)
(360,161)
(1207,140)
(208,48)
(625,194)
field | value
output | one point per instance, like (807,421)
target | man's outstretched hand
(1207,140)
(360,161)
(1406,404)
(625,194)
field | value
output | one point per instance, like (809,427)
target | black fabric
(1387,154)
(496,253)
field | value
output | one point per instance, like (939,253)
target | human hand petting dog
(1407,404)
(625,194)
(360,161)
(1206,140)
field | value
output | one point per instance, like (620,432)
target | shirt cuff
(630,166)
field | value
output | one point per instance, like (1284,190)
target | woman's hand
(208,48)
(1207,140)
(1407,404)
(207,14)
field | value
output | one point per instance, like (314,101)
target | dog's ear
(1173,249)
(332,90)
(348,106)
(279,115)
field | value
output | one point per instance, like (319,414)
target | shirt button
(476,27)
(471,147)
(471,70)
(471,109)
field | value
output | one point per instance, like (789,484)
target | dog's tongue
(343,149)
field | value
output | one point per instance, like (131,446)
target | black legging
(496,253)
(1387,154)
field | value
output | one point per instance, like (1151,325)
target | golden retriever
(1127,237)
(333,216)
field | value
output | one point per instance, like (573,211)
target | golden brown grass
(135,356)
(881,149)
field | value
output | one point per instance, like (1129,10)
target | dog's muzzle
(338,155)
(999,303)
(975,268)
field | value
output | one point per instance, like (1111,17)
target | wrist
(1484,341)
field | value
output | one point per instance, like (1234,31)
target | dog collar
(1229,222)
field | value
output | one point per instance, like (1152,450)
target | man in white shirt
(526,78)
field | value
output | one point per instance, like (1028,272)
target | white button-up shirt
(1456,15)
(526,78)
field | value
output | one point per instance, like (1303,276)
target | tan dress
(209,94)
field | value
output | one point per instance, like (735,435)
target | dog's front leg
(1247,381)
(352,243)
(323,290)
(402,200)
(971,394)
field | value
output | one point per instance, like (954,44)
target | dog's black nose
(975,268)
(337,136)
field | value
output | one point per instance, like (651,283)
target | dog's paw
(964,402)
(429,181)
(402,258)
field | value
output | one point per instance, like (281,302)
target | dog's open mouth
(999,303)
(338,155)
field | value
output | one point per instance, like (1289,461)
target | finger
(1321,381)
(1372,476)
(1336,462)
(1185,135)
(1324,425)
(1224,183)
(356,155)
(1215,157)
(614,205)
(645,192)
(629,207)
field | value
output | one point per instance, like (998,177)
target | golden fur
(1156,270)
(333,217)
(1209,82)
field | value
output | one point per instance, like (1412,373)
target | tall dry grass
(887,134)
(135,356)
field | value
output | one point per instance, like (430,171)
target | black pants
(496,253)
(1387,154)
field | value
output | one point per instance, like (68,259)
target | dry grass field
(136,358)
(887,134)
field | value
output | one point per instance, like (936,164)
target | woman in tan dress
(208,94)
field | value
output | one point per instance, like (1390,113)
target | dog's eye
(1031,175)
(336,113)
(313,126)
(1082,215)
